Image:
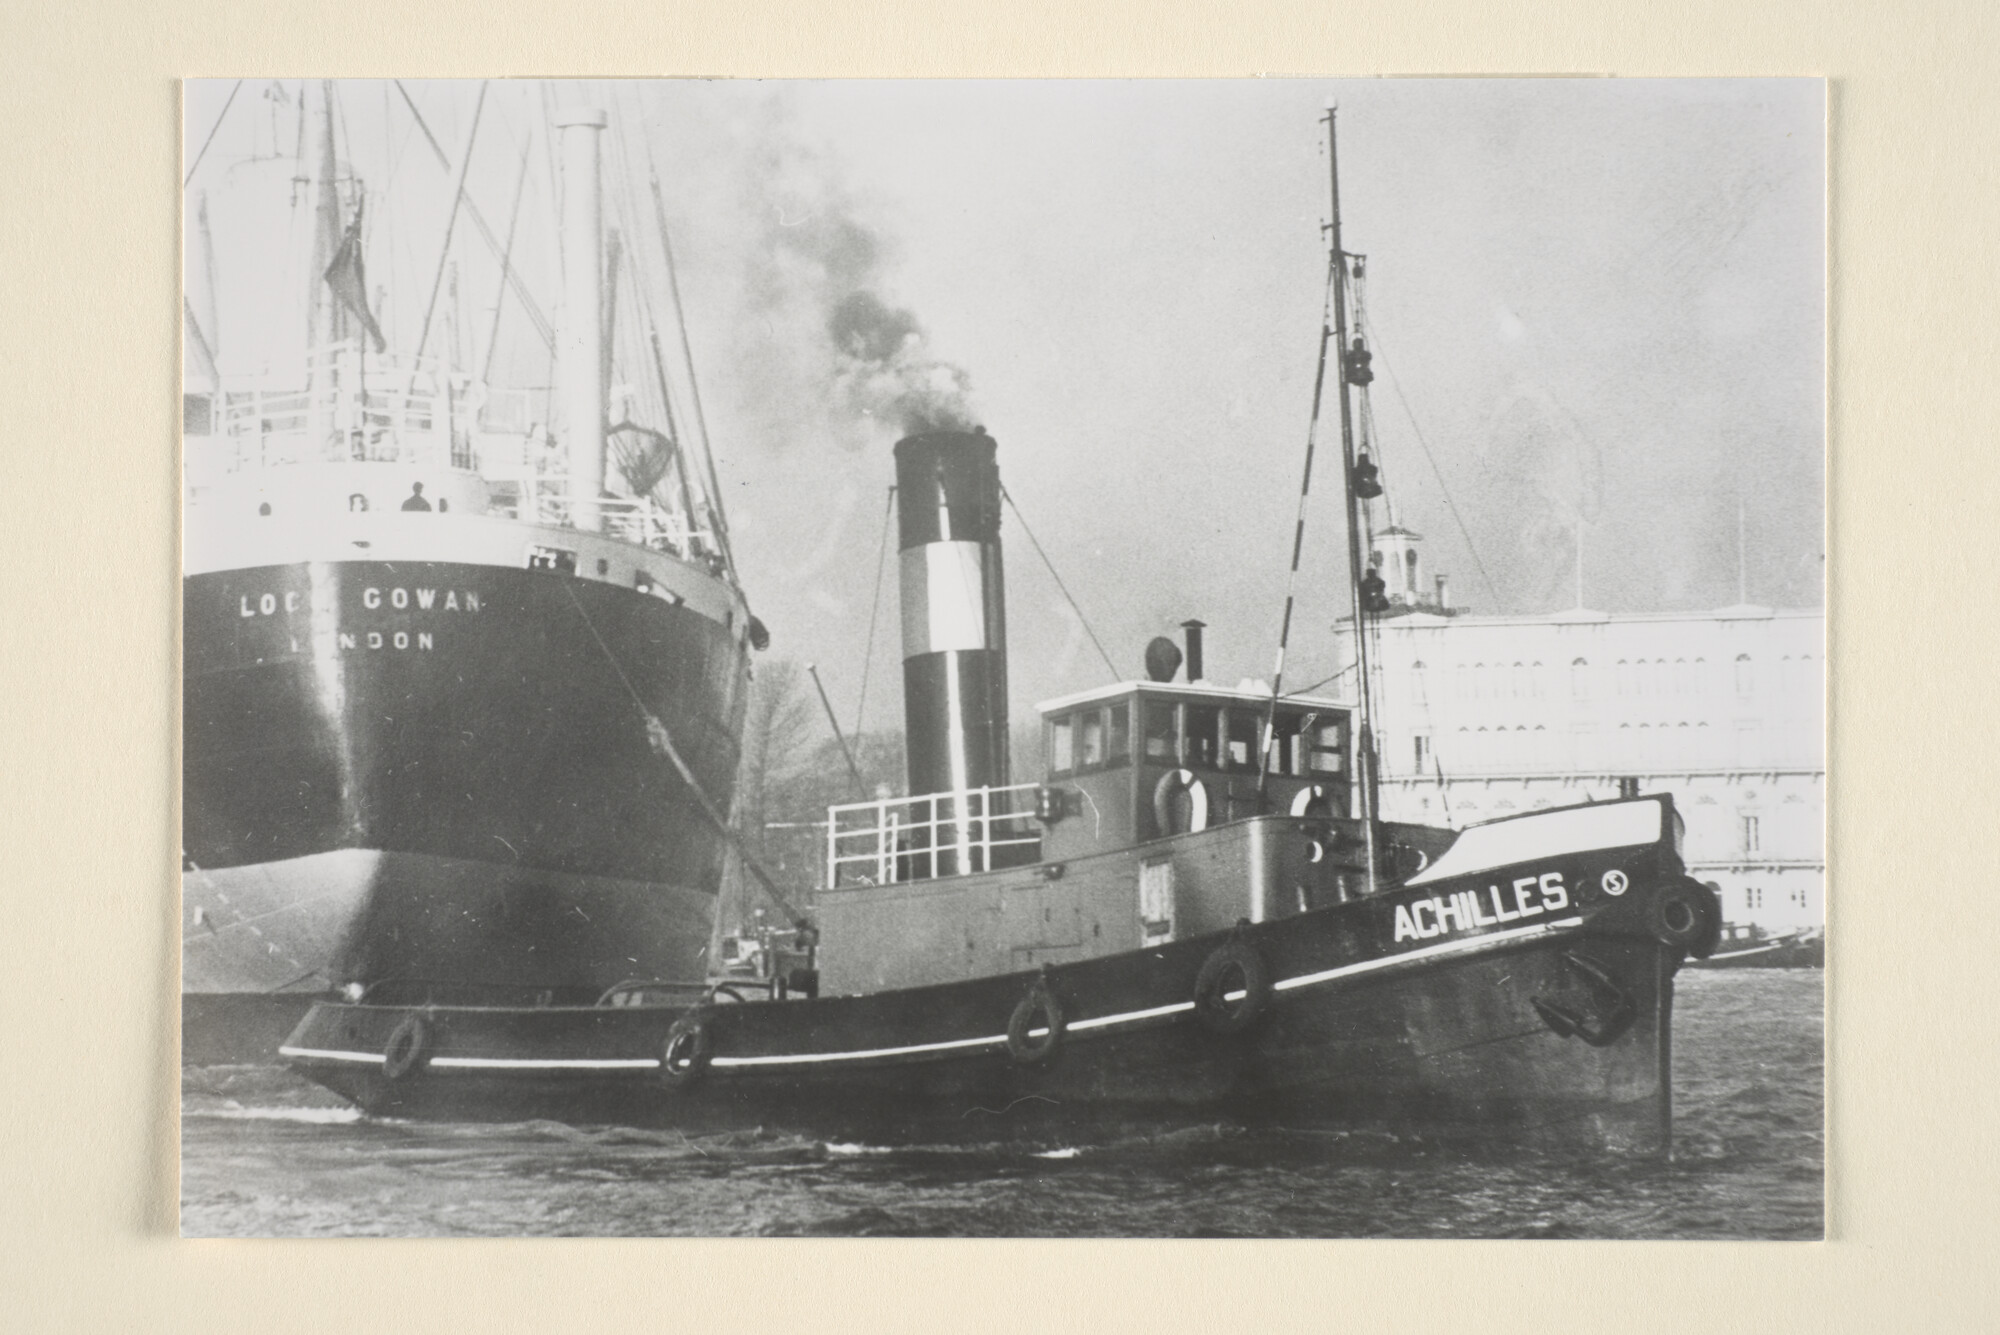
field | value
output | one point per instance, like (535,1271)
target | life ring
(684,1056)
(1681,916)
(408,1048)
(1232,989)
(1312,800)
(1037,1010)
(1172,782)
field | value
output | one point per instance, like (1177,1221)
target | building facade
(1479,717)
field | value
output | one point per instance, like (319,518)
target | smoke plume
(818,271)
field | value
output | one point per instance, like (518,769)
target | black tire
(1236,967)
(1039,1009)
(684,1056)
(408,1048)
(1681,916)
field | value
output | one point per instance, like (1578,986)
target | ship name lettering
(427,599)
(401,639)
(1464,910)
(266,604)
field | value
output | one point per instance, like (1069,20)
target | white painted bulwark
(1553,834)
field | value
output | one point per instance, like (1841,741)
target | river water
(265,1154)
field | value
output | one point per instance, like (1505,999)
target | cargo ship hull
(446,777)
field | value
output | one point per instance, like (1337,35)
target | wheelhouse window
(1204,729)
(1163,731)
(1090,738)
(1287,745)
(1062,745)
(1118,738)
(1325,743)
(1239,750)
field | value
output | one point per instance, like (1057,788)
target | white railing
(361,407)
(641,521)
(941,834)
(352,407)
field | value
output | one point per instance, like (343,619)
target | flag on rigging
(350,283)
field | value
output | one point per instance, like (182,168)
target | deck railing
(941,834)
(376,408)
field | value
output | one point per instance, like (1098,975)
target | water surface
(265,1153)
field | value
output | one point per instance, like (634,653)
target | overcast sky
(1600,303)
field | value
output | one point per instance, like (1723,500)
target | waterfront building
(1484,716)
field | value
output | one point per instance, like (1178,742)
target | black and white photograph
(1235,658)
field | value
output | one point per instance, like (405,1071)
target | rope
(658,731)
(1081,620)
(874,608)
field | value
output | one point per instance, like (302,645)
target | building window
(1624,678)
(1417,682)
(1753,898)
(1746,681)
(1579,680)
(1751,835)
(1422,747)
(1799,898)
(1538,674)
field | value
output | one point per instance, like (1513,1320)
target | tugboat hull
(1551,1033)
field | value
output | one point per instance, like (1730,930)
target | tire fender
(684,1056)
(408,1049)
(1232,989)
(1038,1009)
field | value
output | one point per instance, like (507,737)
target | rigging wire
(1299,527)
(1416,430)
(687,355)
(451,222)
(219,118)
(1081,619)
(506,265)
(874,608)
(659,361)
(657,731)
(521,293)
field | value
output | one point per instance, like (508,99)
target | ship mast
(1364,750)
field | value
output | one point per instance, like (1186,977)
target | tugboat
(462,666)
(1194,914)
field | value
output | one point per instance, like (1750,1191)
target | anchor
(1616,1004)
